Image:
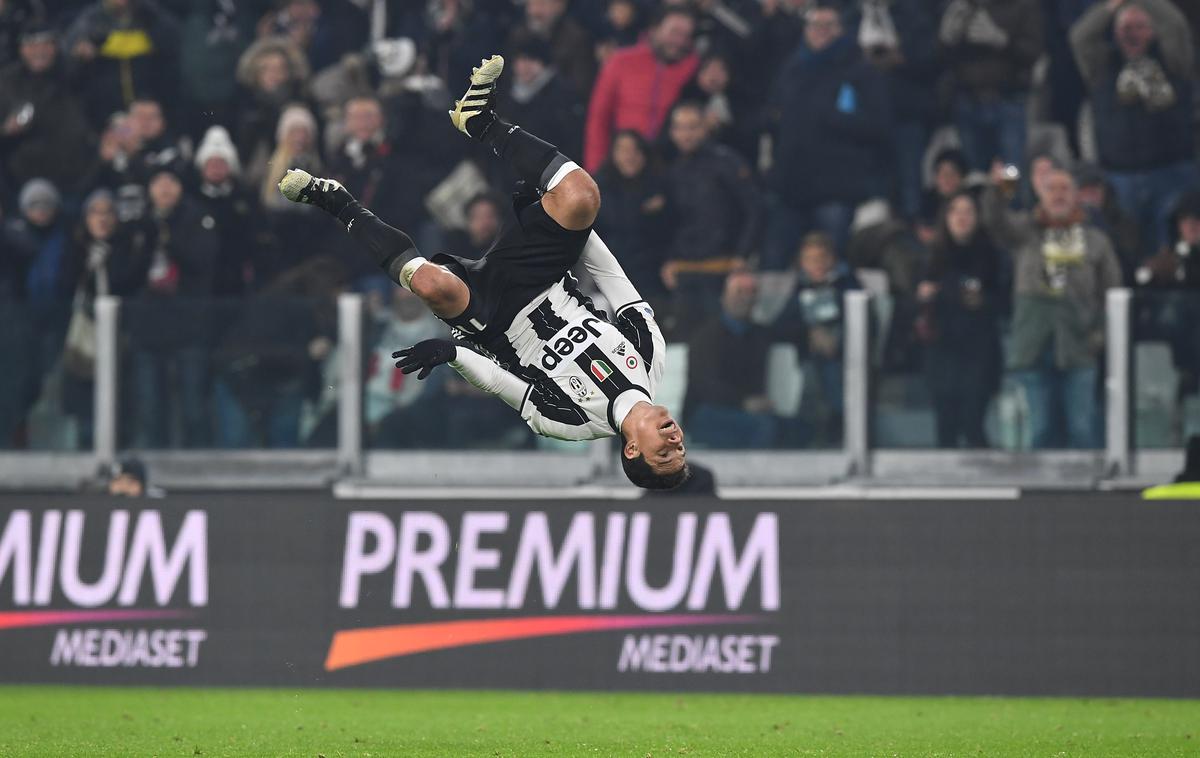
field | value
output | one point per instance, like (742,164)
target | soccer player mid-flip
(535,341)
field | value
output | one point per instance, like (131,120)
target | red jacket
(635,90)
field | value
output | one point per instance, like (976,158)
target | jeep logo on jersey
(564,345)
(600,370)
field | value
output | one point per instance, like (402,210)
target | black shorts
(531,253)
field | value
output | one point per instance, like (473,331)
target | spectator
(159,147)
(213,37)
(1064,87)
(990,48)
(778,25)
(271,74)
(242,244)
(267,365)
(727,119)
(455,32)
(1100,203)
(727,404)
(1041,168)
(638,85)
(295,145)
(569,44)
(117,168)
(123,50)
(484,214)
(299,22)
(298,230)
(168,327)
(722,25)
(718,216)
(1062,269)
(814,317)
(962,299)
(32,247)
(44,131)
(622,27)
(899,38)
(635,218)
(400,411)
(1177,265)
(539,99)
(38,239)
(831,130)
(127,478)
(102,259)
(1172,279)
(949,177)
(1137,60)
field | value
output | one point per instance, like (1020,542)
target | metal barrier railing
(1117,460)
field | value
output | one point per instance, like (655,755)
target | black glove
(426,355)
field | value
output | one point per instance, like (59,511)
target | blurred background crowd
(985,168)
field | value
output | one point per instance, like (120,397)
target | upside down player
(570,372)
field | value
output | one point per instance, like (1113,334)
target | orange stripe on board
(353,647)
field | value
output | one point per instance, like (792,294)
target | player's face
(660,439)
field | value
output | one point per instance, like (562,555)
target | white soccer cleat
(299,186)
(479,98)
(293,183)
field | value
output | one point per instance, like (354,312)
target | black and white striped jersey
(569,371)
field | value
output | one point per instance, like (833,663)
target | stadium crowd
(989,167)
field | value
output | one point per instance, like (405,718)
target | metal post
(856,357)
(350,387)
(1117,387)
(104,418)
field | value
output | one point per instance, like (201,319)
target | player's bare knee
(439,289)
(429,283)
(576,200)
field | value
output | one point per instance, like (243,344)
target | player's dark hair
(638,471)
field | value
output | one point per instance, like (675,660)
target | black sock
(535,160)
(390,247)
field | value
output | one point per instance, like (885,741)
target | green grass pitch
(66,721)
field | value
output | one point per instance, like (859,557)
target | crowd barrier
(1046,595)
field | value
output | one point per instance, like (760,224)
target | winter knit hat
(98,195)
(295,115)
(218,144)
(38,192)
